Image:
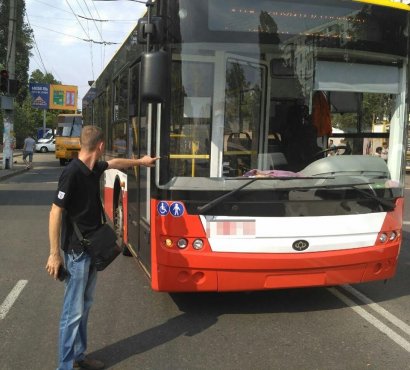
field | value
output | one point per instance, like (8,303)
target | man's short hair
(90,137)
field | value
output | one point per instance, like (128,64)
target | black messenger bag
(101,244)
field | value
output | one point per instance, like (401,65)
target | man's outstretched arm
(120,163)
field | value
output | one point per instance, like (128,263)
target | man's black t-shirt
(78,193)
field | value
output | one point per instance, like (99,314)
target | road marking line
(406,222)
(372,319)
(380,310)
(11,298)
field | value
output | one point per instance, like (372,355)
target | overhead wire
(78,38)
(81,16)
(35,43)
(88,29)
(102,55)
(76,17)
(102,50)
(93,19)
(91,15)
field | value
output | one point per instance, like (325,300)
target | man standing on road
(78,198)
(28,150)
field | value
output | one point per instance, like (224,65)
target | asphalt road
(132,327)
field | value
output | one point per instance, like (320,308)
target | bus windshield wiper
(381,201)
(216,201)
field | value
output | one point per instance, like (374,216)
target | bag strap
(84,242)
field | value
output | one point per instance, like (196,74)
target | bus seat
(239,141)
(272,161)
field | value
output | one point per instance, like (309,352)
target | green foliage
(375,108)
(26,119)
(39,77)
(24,40)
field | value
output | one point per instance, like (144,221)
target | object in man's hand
(62,273)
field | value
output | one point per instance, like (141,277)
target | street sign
(40,95)
(7,102)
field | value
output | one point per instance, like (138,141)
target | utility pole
(7,103)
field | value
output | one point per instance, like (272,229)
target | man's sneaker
(89,363)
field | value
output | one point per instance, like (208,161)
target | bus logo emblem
(300,245)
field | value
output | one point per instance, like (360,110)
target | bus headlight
(182,243)
(392,236)
(198,244)
(383,238)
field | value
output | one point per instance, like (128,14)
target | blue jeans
(78,298)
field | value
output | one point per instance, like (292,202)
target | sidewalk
(18,167)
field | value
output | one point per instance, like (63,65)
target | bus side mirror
(155,76)
(155,29)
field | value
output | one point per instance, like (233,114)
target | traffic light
(4,84)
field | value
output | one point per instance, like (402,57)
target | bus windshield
(285,89)
(69,126)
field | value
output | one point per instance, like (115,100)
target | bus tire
(119,222)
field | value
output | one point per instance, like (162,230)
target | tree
(24,41)
(39,77)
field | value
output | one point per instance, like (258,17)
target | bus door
(218,110)
(245,93)
(138,177)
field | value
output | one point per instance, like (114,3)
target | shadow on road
(202,310)
(185,324)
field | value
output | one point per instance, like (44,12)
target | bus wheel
(119,224)
(62,161)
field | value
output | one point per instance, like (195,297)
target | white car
(45,146)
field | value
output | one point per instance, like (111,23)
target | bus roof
(389,3)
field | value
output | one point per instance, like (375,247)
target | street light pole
(8,114)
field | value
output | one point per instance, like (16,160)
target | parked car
(46,146)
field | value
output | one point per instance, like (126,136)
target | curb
(11,174)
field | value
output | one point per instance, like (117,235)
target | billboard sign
(63,97)
(40,95)
(46,96)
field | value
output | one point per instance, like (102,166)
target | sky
(59,33)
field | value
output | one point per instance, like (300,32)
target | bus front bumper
(245,272)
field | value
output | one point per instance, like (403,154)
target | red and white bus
(266,115)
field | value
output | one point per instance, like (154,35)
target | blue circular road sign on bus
(176,209)
(163,208)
